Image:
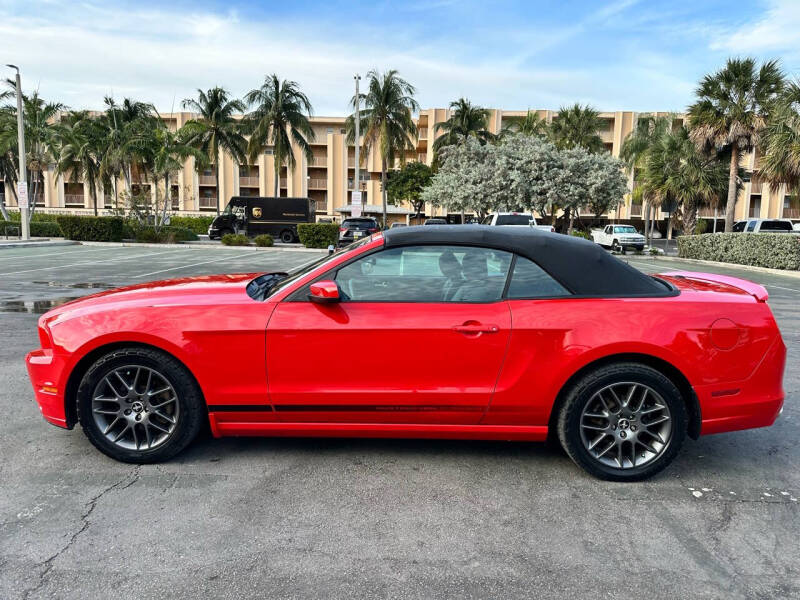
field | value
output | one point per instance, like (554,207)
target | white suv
(515,219)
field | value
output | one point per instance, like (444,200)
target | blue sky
(616,55)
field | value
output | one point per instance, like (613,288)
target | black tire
(287,237)
(615,247)
(583,392)
(188,398)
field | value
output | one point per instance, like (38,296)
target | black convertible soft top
(580,265)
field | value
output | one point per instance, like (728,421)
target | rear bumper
(44,370)
(754,402)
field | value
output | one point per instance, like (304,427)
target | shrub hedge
(235,239)
(38,228)
(197,224)
(264,240)
(773,250)
(94,229)
(166,235)
(318,235)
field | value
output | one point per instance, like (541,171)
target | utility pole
(22,183)
(357,186)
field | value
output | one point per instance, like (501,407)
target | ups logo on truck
(256,212)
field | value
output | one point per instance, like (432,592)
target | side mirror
(324,292)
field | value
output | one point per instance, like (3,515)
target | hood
(186,290)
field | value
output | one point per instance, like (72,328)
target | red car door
(419,336)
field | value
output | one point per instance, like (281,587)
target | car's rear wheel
(623,422)
(287,237)
(139,405)
(616,246)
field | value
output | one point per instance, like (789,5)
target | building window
(755,206)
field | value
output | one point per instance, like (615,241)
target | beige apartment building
(328,176)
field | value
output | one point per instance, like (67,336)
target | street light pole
(357,187)
(22,184)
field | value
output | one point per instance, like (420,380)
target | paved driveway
(273,518)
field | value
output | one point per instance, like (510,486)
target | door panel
(385,362)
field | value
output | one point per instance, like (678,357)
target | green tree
(216,129)
(386,122)
(677,171)
(576,127)
(79,150)
(466,121)
(279,118)
(406,184)
(780,142)
(731,111)
(634,153)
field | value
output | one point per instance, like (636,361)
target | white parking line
(93,262)
(206,262)
(769,285)
(28,256)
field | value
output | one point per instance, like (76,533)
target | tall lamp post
(22,184)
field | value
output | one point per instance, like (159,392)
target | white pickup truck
(515,219)
(619,237)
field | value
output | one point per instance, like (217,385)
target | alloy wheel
(626,425)
(135,407)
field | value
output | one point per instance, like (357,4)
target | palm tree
(731,111)
(780,142)
(676,170)
(576,127)
(530,124)
(466,120)
(634,154)
(216,128)
(79,150)
(386,122)
(8,154)
(280,118)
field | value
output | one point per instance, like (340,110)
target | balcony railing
(73,200)
(422,133)
(351,162)
(710,212)
(248,181)
(351,184)
(206,202)
(207,180)
(422,158)
(283,182)
(318,161)
(320,206)
(756,185)
(38,199)
(317,184)
(636,210)
(791,212)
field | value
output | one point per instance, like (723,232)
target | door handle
(476,328)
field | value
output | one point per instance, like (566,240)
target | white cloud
(777,31)
(77,53)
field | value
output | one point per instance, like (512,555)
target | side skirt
(532,433)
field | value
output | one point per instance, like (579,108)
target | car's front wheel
(287,237)
(139,405)
(623,422)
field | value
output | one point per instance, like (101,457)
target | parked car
(435,221)
(619,237)
(513,337)
(764,226)
(254,215)
(515,219)
(355,228)
(397,224)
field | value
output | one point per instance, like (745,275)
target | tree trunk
(167,199)
(94,197)
(730,207)
(216,176)
(383,190)
(690,219)
(126,173)
(116,192)
(277,168)
(32,198)
(646,219)
(3,207)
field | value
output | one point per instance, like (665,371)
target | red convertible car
(437,332)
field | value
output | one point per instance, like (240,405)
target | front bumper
(45,369)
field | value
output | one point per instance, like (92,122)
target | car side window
(426,274)
(529,280)
(751,226)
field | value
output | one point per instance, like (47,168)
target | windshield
(625,229)
(264,286)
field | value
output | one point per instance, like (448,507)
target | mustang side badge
(256,212)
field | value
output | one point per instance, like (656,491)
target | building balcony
(636,210)
(248,181)
(422,157)
(791,212)
(207,180)
(422,133)
(351,184)
(206,202)
(73,200)
(318,161)
(709,212)
(320,206)
(317,184)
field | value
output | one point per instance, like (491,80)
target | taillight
(372,230)
(342,229)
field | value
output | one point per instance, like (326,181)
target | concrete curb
(47,243)
(784,273)
(195,246)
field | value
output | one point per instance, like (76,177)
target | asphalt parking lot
(275,518)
